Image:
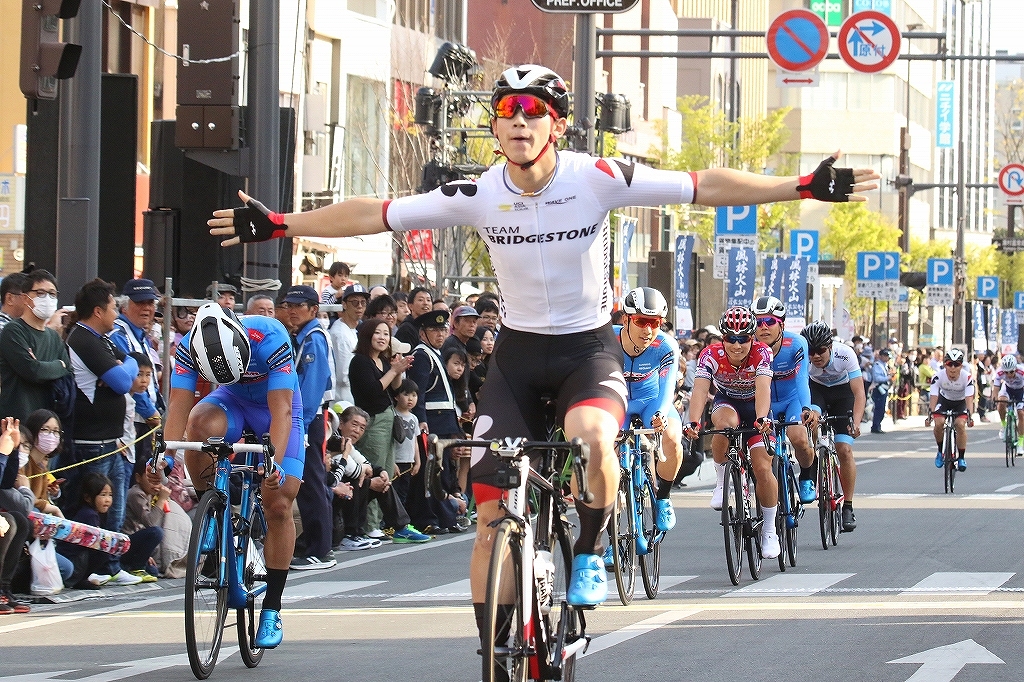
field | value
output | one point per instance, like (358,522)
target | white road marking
(1009,488)
(790,585)
(102,610)
(637,629)
(452,591)
(990,496)
(314,590)
(943,663)
(670,581)
(866,461)
(959,583)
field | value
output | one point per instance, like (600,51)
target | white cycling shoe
(716,497)
(770,548)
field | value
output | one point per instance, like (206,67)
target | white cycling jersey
(944,387)
(1014,379)
(551,252)
(840,368)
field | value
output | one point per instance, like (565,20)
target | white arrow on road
(942,663)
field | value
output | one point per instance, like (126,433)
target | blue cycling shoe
(808,493)
(961,464)
(938,459)
(271,631)
(588,585)
(209,538)
(664,515)
(609,558)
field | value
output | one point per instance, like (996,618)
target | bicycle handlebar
(217,447)
(738,431)
(234,447)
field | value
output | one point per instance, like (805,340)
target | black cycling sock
(592,525)
(810,473)
(961,452)
(664,488)
(847,504)
(276,578)
(504,618)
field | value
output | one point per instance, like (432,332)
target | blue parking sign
(804,243)
(733,220)
(1018,300)
(871,266)
(940,271)
(988,287)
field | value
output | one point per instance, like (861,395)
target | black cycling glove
(827,183)
(256,223)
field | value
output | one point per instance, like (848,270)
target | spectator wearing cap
(882,382)
(339,274)
(354,299)
(420,302)
(261,304)
(313,364)
(435,404)
(32,354)
(464,323)
(12,303)
(131,335)
(225,295)
(374,373)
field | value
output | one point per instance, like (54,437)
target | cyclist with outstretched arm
(740,367)
(543,216)
(952,389)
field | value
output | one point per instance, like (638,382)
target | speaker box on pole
(118,158)
(43,145)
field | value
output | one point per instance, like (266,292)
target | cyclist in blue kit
(791,390)
(544,216)
(251,360)
(650,365)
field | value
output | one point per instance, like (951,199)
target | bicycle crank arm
(580,646)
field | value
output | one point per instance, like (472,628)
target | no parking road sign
(797,40)
(869,41)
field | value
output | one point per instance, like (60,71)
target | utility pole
(78,210)
(584,81)
(262,259)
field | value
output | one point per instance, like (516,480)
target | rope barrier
(124,447)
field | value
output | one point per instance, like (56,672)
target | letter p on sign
(988,287)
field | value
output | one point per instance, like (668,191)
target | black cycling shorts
(584,368)
(959,407)
(837,401)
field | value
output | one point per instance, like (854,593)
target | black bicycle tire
(752,544)
(568,632)
(209,506)
(732,522)
(507,536)
(255,529)
(650,563)
(624,547)
(836,517)
(824,496)
(794,504)
(779,469)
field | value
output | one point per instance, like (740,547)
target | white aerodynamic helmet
(1008,363)
(219,345)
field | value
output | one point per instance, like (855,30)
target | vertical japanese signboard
(945,90)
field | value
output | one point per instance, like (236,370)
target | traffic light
(44,58)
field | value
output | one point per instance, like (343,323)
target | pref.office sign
(585,6)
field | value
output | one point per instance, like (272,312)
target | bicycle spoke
(504,638)
(206,599)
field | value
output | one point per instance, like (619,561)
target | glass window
(365,137)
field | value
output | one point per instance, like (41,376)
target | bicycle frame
(637,470)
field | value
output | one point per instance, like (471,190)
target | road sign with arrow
(869,41)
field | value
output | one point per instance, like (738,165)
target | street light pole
(960,276)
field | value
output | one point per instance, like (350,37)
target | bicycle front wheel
(824,495)
(564,622)
(505,650)
(206,597)
(784,508)
(835,500)
(733,519)
(253,572)
(650,562)
(792,522)
(624,540)
(949,468)
(752,529)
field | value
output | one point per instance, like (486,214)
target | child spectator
(355,482)
(44,440)
(407,456)
(149,505)
(455,362)
(140,408)
(94,568)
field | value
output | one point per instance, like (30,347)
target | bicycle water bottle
(544,571)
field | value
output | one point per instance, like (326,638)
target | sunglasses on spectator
(532,106)
(737,338)
(646,321)
(820,351)
(182,313)
(767,321)
(950,363)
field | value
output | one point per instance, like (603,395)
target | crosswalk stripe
(1009,488)
(669,581)
(790,585)
(450,592)
(312,590)
(959,583)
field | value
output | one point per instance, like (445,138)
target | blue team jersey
(790,387)
(270,362)
(651,377)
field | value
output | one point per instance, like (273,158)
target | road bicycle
(791,510)
(632,529)
(741,514)
(226,569)
(949,456)
(531,630)
(1010,432)
(830,488)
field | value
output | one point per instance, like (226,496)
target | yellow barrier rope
(96,459)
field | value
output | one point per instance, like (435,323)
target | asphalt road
(929,588)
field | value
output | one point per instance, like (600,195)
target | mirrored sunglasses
(737,338)
(767,321)
(950,363)
(646,321)
(820,351)
(532,106)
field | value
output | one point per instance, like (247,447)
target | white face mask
(47,442)
(44,308)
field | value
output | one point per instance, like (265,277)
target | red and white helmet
(219,345)
(738,320)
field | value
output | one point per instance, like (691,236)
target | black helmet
(769,305)
(818,334)
(645,301)
(534,80)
